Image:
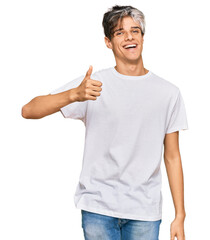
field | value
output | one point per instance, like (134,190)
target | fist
(89,89)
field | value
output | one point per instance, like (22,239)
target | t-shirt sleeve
(75,110)
(178,119)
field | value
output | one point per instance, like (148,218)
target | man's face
(126,33)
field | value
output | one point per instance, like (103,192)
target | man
(129,113)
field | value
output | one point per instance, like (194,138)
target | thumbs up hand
(89,89)
(89,72)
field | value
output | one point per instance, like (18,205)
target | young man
(129,113)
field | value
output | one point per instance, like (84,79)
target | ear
(108,42)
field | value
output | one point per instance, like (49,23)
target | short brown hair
(111,17)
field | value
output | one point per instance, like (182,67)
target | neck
(131,69)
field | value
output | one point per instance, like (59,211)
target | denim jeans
(101,227)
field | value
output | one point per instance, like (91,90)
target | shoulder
(165,85)
(102,72)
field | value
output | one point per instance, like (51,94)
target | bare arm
(174,170)
(42,106)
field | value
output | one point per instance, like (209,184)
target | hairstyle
(111,17)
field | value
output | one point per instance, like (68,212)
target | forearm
(42,106)
(176,183)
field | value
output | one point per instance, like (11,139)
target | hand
(88,89)
(177,229)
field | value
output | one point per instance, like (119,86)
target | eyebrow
(122,29)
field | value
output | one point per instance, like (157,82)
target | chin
(136,59)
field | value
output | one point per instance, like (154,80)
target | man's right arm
(42,106)
(45,105)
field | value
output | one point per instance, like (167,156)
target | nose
(129,36)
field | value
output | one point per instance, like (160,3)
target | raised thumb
(89,72)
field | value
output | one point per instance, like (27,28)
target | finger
(95,88)
(96,83)
(172,237)
(180,237)
(94,93)
(89,72)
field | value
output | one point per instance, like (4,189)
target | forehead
(126,22)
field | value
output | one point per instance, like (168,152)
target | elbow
(28,111)
(172,159)
(25,112)
(33,109)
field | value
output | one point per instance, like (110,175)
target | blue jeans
(101,227)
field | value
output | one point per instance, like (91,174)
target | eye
(118,33)
(136,31)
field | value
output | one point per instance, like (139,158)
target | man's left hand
(177,229)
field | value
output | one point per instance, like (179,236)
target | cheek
(141,42)
(116,45)
(116,48)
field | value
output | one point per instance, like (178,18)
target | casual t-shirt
(125,130)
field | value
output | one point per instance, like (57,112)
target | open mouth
(130,46)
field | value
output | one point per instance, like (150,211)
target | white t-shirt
(125,130)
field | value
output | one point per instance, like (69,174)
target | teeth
(127,46)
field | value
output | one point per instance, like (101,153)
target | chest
(128,104)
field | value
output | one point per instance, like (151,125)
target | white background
(43,45)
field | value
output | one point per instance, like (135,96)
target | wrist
(73,95)
(180,216)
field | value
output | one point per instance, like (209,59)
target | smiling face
(127,41)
